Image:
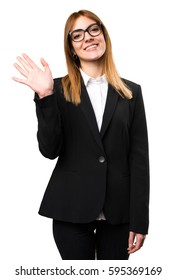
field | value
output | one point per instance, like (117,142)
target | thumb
(44,64)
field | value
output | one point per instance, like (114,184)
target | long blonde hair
(72,81)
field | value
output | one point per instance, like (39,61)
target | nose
(87,36)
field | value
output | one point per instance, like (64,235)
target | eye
(94,29)
(77,35)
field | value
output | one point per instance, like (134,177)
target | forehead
(82,23)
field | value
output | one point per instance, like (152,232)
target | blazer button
(101,159)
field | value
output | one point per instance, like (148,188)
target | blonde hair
(72,81)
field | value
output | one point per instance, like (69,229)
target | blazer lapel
(111,102)
(88,111)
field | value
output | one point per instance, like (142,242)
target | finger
(135,248)
(20,69)
(29,60)
(131,240)
(21,81)
(26,66)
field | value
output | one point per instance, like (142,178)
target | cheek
(103,44)
(103,47)
(76,47)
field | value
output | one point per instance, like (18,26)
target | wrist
(42,95)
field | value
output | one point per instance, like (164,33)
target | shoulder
(58,88)
(57,82)
(134,87)
(136,103)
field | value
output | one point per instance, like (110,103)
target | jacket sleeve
(49,132)
(139,167)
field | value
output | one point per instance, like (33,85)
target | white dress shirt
(97,89)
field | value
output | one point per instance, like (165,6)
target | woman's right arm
(49,132)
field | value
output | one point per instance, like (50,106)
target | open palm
(40,81)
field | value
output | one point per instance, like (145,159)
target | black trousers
(97,240)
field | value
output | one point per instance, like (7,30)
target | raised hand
(40,81)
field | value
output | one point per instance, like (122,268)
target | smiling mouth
(91,47)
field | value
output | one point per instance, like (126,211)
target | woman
(94,122)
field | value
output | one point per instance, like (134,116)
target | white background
(144,45)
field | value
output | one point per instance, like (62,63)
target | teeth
(91,47)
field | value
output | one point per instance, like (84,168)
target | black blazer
(95,171)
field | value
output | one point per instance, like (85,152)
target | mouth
(93,46)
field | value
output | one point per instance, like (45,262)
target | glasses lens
(77,35)
(94,30)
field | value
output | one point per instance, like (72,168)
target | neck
(92,69)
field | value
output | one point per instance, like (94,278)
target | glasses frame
(86,30)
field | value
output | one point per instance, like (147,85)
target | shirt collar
(87,78)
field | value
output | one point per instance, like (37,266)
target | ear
(74,55)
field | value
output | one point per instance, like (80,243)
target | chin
(95,58)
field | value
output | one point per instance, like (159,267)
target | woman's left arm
(139,168)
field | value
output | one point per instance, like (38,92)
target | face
(90,49)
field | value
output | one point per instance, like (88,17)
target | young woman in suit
(94,122)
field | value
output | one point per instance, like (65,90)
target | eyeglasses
(78,35)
